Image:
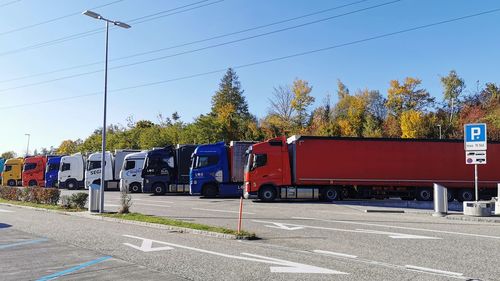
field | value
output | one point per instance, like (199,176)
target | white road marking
(152,201)
(393,235)
(222,211)
(402,227)
(153,205)
(147,246)
(437,271)
(283,226)
(111,205)
(283,265)
(335,254)
(418,269)
(6,211)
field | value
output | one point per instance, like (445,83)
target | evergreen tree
(230,94)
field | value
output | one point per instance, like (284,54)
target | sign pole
(475,182)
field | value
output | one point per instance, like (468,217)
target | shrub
(79,199)
(66,201)
(31,194)
(126,202)
(10,193)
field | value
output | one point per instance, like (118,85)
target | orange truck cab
(34,171)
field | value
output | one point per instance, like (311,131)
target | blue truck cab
(52,171)
(2,162)
(166,170)
(217,169)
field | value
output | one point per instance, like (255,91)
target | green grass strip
(178,223)
(39,205)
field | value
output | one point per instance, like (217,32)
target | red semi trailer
(332,168)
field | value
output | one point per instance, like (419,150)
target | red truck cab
(268,167)
(34,171)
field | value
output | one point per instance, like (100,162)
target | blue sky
(469,46)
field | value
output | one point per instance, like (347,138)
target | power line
(99,30)
(9,3)
(185,44)
(264,61)
(55,19)
(200,49)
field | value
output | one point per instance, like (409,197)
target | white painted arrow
(284,266)
(394,235)
(283,226)
(147,246)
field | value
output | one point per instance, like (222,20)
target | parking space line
(6,211)
(153,205)
(402,227)
(437,271)
(22,243)
(153,201)
(73,269)
(335,254)
(412,268)
(222,211)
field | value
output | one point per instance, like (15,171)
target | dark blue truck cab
(166,170)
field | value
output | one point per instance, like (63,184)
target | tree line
(407,111)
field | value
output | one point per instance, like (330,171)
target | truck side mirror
(143,173)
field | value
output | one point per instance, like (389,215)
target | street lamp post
(28,146)
(439,126)
(103,145)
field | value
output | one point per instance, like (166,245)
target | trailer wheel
(210,191)
(465,195)
(159,189)
(135,187)
(32,183)
(71,184)
(424,194)
(330,194)
(267,193)
(11,183)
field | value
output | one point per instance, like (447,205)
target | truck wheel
(465,195)
(71,184)
(11,183)
(210,191)
(330,194)
(135,187)
(32,183)
(159,189)
(267,193)
(424,194)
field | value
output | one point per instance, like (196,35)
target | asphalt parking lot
(300,240)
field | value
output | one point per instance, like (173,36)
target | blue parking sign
(475,136)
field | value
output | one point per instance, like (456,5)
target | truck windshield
(259,160)
(93,165)
(204,161)
(249,162)
(65,167)
(29,166)
(8,168)
(129,165)
(52,167)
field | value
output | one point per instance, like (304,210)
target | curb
(139,223)
(492,219)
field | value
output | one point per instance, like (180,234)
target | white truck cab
(130,174)
(71,172)
(112,166)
